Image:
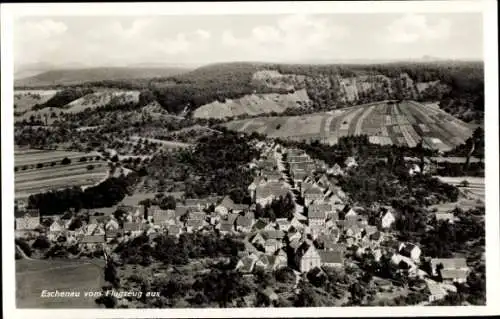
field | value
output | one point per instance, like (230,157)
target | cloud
(412,28)
(44,28)
(298,35)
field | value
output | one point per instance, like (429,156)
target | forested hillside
(457,86)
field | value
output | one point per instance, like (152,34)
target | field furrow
(358,130)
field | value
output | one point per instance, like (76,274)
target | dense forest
(216,165)
(63,97)
(105,194)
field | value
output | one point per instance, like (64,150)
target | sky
(202,39)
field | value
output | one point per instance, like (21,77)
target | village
(324,229)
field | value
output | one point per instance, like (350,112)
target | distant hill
(78,76)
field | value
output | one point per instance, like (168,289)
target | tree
(41,242)
(24,246)
(168,202)
(357,293)
(110,273)
(66,161)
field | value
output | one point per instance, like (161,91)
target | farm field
(34,276)
(41,170)
(406,124)
(253,104)
(475,186)
(24,100)
(99,99)
(164,143)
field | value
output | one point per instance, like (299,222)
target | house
(193,225)
(225,206)
(246,264)
(369,230)
(28,219)
(453,269)
(317,214)
(197,203)
(271,245)
(388,218)
(135,211)
(354,231)
(225,227)
(92,241)
(298,175)
(282,224)
(56,227)
(273,240)
(398,260)
(243,224)
(264,194)
(446,217)
(331,220)
(312,194)
(377,237)
(336,170)
(349,212)
(333,198)
(197,215)
(280,260)
(293,233)
(133,227)
(264,261)
(328,242)
(272,176)
(331,258)
(259,225)
(164,217)
(307,257)
(112,228)
(334,234)
(174,230)
(258,239)
(410,250)
(296,223)
(98,219)
(181,212)
(323,181)
(451,276)
(436,292)
(350,162)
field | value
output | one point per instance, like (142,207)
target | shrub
(82,159)
(39,165)
(66,161)
(90,167)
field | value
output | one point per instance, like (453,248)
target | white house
(388,219)
(410,250)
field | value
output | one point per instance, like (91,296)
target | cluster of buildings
(325,230)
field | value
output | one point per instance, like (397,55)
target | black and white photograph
(270,156)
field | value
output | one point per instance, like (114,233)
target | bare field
(24,100)
(34,276)
(99,99)
(253,104)
(42,170)
(405,124)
